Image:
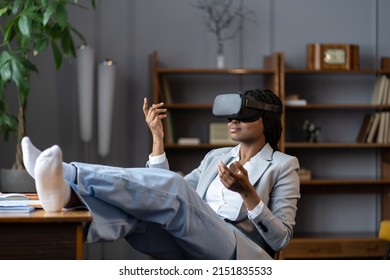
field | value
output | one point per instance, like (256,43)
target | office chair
(384,233)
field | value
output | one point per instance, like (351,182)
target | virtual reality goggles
(241,107)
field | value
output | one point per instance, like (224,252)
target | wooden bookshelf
(351,244)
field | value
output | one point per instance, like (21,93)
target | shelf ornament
(311,131)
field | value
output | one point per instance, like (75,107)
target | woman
(239,203)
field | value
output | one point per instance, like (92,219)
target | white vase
(220,61)
(85,75)
(106,92)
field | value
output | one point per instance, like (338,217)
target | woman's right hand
(153,116)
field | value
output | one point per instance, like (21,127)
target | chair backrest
(384,233)
(384,230)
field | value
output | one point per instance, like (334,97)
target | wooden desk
(42,235)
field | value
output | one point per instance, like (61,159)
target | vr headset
(241,107)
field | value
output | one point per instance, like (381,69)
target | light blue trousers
(154,210)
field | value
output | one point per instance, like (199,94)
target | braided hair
(272,121)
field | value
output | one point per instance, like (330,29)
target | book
(386,93)
(371,137)
(33,202)
(296,102)
(13,196)
(166,91)
(365,128)
(16,209)
(379,90)
(381,128)
(304,174)
(386,138)
(169,133)
(188,141)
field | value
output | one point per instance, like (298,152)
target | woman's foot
(30,154)
(53,191)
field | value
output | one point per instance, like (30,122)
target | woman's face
(247,132)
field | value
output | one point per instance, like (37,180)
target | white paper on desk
(17,202)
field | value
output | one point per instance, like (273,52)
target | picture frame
(344,57)
(219,134)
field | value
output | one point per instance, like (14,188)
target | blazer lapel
(261,164)
(209,175)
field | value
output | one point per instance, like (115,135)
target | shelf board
(336,235)
(289,145)
(198,146)
(339,106)
(233,71)
(333,186)
(308,106)
(188,106)
(294,145)
(346,182)
(309,71)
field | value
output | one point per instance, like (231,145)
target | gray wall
(128,31)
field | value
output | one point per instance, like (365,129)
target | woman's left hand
(235,178)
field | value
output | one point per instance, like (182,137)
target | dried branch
(223,18)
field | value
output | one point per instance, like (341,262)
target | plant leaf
(6,72)
(24,26)
(8,124)
(9,32)
(28,65)
(16,5)
(44,3)
(18,71)
(81,37)
(4,57)
(48,13)
(57,54)
(40,43)
(3,11)
(62,15)
(67,43)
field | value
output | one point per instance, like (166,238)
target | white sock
(53,191)
(30,155)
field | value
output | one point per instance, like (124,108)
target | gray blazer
(277,183)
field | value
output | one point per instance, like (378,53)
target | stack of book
(375,126)
(18,203)
(381,94)
(294,100)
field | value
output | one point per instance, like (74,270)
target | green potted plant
(28,28)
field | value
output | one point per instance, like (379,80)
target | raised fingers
(145,106)
(156,110)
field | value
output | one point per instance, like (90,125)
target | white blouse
(226,203)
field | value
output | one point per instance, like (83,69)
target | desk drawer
(42,241)
(328,248)
(366,248)
(311,249)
